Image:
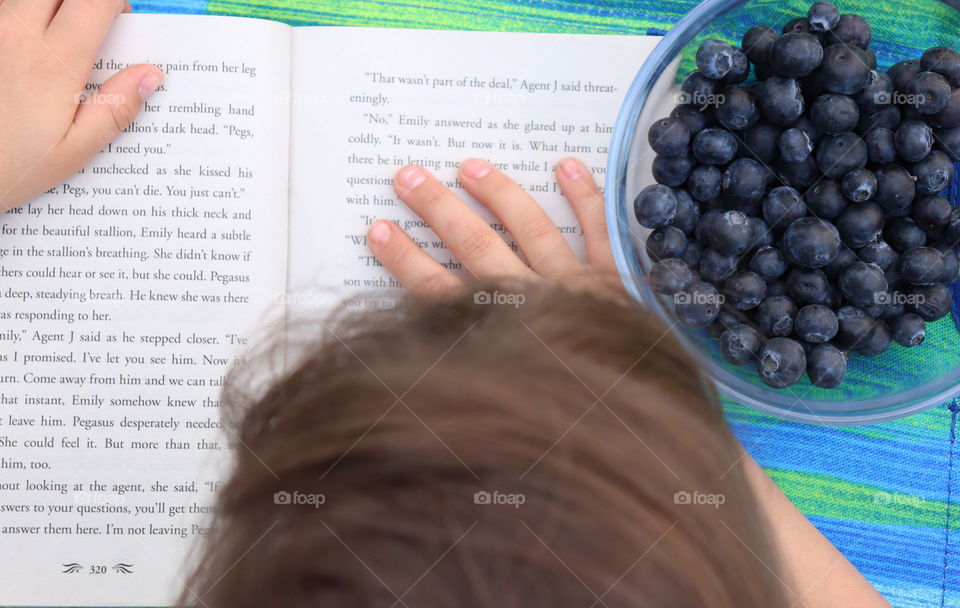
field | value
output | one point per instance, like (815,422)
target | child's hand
(481,250)
(47,50)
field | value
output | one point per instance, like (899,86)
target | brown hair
(532,451)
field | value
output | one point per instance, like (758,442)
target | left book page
(124,294)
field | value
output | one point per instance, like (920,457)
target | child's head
(547,449)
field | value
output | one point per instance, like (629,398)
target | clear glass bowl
(899,382)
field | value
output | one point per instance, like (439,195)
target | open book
(252,174)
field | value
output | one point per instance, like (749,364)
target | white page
(349,98)
(142,565)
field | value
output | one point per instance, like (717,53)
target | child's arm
(47,50)
(814,573)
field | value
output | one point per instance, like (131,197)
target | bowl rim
(626,256)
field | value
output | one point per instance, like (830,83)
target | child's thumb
(109,111)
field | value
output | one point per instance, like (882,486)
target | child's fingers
(109,111)
(464,232)
(79,27)
(585,197)
(535,233)
(406,261)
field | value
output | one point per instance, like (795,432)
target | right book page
(367,101)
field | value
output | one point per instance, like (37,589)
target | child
(560,450)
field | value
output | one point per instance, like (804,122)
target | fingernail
(150,83)
(410,177)
(475,168)
(571,168)
(379,233)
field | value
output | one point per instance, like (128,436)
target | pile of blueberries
(800,217)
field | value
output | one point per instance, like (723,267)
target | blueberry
(655,206)
(799,175)
(859,185)
(704,182)
(804,124)
(932,212)
(844,258)
(840,154)
(902,73)
(951,264)
(834,114)
(697,90)
(775,315)
(896,189)
(738,110)
(914,140)
(781,362)
(744,183)
(826,199)
(904,234)
(909,330)
(859,224)
(745,289)
(823,16)
(807,285)
(691,256)
(879,343)
(948,141)
(796,54)
(948,117)
(768,262)
(826,366)
(952,231)
(878,252)
(669,137)
(928,93)
(730,233)
(816,323)
(861,282)
(943,61)
(934,173)
(876,94)
(704,224)
(760,142)
(781,100)
(922,266)
(850,29)
(757,41)
(672,171)
(871,56)
(794,145)
(760,233)
(880,146)
(739,68)
(887,118)
(714,59)
(843,70)
(856,327)
(782,206)
(930,302)
(688,212)
(670,276)
(800,25)
(740,344)
(698,305)
(811,242)
(693,118)
(716,267)
(714,146)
